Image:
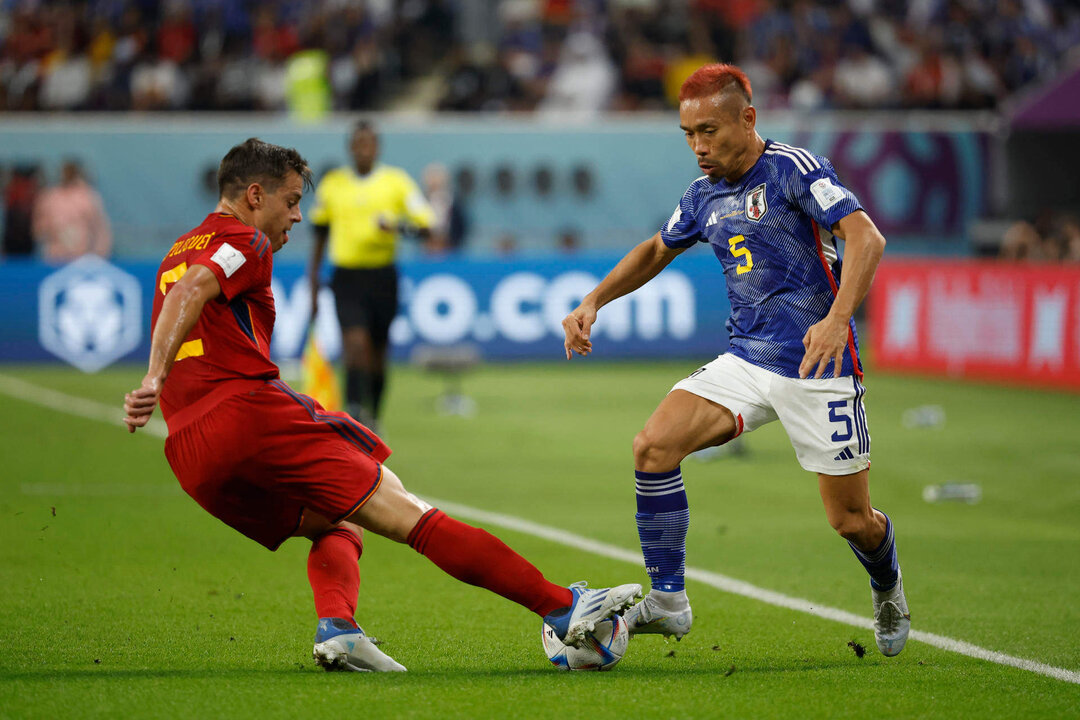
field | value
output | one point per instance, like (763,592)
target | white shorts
(824,419)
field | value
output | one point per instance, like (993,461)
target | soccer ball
(602,649)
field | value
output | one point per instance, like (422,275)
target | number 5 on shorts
(836,417)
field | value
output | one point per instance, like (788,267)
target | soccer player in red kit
(272,463)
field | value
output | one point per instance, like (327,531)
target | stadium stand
(111,55)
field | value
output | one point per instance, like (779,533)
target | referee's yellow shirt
(352,206)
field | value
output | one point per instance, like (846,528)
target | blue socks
(881,562)
(663,517)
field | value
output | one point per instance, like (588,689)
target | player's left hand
(139,404)
(825,342)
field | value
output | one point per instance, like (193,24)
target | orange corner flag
(319,379)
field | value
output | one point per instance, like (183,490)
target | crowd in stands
(526,55)
(210,54)
(959,54)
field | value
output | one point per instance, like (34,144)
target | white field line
(82,407)
(739,587)
(72,405)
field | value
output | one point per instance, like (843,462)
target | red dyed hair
(710,79)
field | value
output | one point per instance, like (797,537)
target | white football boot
(341,646)
(654,616)
(589,607)
(892,621)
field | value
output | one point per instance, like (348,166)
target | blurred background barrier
(92,313)
(523,185)
(1009,322)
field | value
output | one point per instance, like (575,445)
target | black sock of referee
(356,392)
(378,384)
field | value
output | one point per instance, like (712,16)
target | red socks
(479,558)
(464,552)
(334,574)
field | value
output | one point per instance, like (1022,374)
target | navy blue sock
(881,562)
(663,517)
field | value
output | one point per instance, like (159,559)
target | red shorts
(258,458)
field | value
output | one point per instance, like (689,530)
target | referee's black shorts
(366,297)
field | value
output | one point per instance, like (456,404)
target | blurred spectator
(585,79)
(1022,242)
(863,80)
(449,229)
(479,80)
(69,219)
(176,36)
(20,194)
(1052,237)
(934,80)
(1069,238)
(157,83)
(65,70)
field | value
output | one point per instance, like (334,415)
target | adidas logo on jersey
(712,219)
(845,454)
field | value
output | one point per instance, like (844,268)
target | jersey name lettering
(195,242)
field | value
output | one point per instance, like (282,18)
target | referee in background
(361,211)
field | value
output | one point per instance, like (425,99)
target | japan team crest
(756,206)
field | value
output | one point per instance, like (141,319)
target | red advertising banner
(1010,322)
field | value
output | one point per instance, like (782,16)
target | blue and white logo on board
(90,313)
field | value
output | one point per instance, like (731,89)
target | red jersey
(231,340)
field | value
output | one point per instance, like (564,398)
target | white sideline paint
(739,587)
(90,409)
(72,405)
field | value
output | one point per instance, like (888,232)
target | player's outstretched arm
(827,340)
(179,313)
(637,267)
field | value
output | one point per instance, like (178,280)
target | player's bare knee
(853,526)
(653,455)
(392,511)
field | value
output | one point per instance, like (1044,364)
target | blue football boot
(340,645)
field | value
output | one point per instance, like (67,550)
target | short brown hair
(256,161)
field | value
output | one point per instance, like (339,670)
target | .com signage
(515,310)
(93,313)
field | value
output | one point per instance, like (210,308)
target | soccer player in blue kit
(771,213)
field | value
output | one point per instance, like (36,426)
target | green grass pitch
(119,597)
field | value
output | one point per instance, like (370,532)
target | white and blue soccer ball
(602,649)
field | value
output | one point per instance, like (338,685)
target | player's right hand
(139,404)
(577,326)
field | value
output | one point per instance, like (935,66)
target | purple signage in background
(1056,105)
(911,183)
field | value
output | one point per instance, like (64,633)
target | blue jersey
(770,231)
